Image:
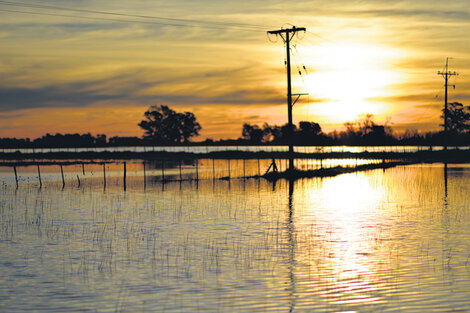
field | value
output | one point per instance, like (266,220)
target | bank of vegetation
(163,126)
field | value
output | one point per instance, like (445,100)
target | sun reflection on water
(341,237)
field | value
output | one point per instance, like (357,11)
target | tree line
(164,126)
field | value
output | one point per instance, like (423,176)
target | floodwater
(264,148)
(379,241)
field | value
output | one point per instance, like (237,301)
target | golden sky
(82,71)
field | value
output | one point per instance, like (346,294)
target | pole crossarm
(298,97)
(287,32)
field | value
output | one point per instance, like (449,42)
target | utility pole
(286,35)
(446,76)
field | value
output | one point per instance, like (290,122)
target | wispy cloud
(76,63)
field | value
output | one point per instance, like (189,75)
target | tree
(271,132)
(309,128)
(458,118)
(163,125)
(252,133)
(366,131)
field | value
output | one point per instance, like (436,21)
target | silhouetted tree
(100,140)
(309,128)
(271,132)
(366,131)
(124,141)
(252,133)
(458,118)
(69,140)
(163,125)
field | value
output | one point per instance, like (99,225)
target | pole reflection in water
(291,244)
(445,182)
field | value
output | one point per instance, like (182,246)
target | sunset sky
(78,70)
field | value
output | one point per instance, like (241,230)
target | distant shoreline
(16,158)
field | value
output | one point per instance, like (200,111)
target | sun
(349,79)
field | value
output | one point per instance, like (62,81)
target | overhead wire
(98,18)
(295,56)
(180,22)
(319,36)
(170,21)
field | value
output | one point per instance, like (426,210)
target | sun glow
(347,78)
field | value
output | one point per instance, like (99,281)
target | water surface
(380,241)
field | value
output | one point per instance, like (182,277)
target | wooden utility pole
(287,34)
(446,74)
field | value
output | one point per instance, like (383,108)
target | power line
(95,18)
(179,22)
(321,37)
(170,21)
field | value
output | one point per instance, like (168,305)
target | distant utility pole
(286,35)
(446,76)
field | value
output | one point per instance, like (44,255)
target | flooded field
(395,240)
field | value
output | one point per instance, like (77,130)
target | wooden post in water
(16,176)
(197,169)
(124,177)
(145,179)
(39,177)
(244,168)
(213,170)
(104,175)
(259,169)
(78,179)
(62,174)
(163,170)
(181,176)
(229,168)
(83,168)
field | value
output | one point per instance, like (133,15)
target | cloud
(12,99)
(11,116)
(408,13)
(140,88)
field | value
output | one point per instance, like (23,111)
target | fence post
(181,177)
(39,177)
(145,179)
(62,173)
(16,176)
(104,175)
(124,178)
(213,170)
